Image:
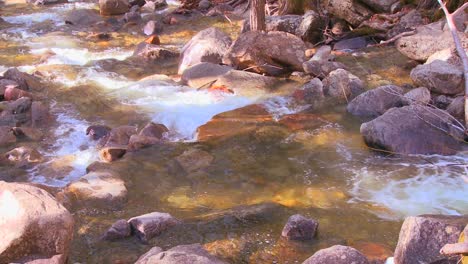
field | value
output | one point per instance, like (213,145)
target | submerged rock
(7,136)
(203,74)
(23,156)
(342,85)
(337,255)
(422,237)
(184,254)
(33,225)
(209,45)
(439,76)
(113,7)
(147,226)
(119,229)
(272,53)
(375,102)
(299,227)
(194,159)
(414,129)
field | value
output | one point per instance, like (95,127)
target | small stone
(204,5)
(96,132)
(153,224)
(154,40)
(110,154)
(299,227)
(153,27)
(118,230)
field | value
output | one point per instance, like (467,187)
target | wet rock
(299,227)
(119,229)
(185,254)
(40,116)
(151,6)
(82,17)
(209,45)
(113,7)
(272,53)
(353,12)
(447,55)
(286,23)
(310,92)
(98,189)
(147,226)
(247,83)
(421,238)
(46,2)
(4,83)
(321,68)
(132,17)
(12,93)
(7,137)
(19,106)
(341,85)
(337,255)
(204,5)
(96,132)
(120,136)
(25,81)
(322,54)
(311,27)
(155,53)
(428,40)
(351,44)
(137,142)
(194,159)
(380,5)
(420,95)
(33,225)
(439,77)
(153,39)
(457,108)
(407,22)
(203,74)
(28,133)
(230,250)
(109,154)
(23,157)
(375,102)
(153,27)
(154,130)
(376,253)
(414,129)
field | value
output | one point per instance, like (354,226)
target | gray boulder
(337,255)
(311,27)
(457,108)
(342,85)
(375,102)
(119,229)
(439,77)
(420,95)
(184,254)
(150,225)
(203,74)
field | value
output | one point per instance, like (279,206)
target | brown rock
(153,39)
(337,255)
(375,102)
(39,114)
(341,84)
(119,229)
(457,108)
(113,7)
(28,133)
(120,136)
(420,95)
(12,93)
(7,136)
(194,159)
(154,130)
(96,132)
(184,254)
(33,225)
(203,74)
(109,154)
(23,156)
(138,142)
(299,227)
(150,225)
(25,81)
(439,77)
(351,11)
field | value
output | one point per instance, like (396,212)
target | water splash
(77,56)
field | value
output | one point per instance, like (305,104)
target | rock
(420,95)
(7,137)
(231,250)
(23,156)
(132,17)
(322,54)
(428,40)
(153,39)
(28,133)
(12,93)
(442,101)
(209,45)
(245,83)
(457,108)
(380,5)
(113,7)
(341,84)
(311,27)
(39,114)
(421,238)
(337,255)
(5,83)
(272,53)
(154,130)
(203,74)
(98,189)
(120,136)
(299,227)
(220,9)
(204,5)
(46,2)
(153,27)
(109,154)
(159,3)
(412,130)
(25,81)
(407,23)
(447,55)
(82,17)
(184,254)
(353,12)
(310,92)
(244,214)
(194,159)
(351,44)
(285,23)
(439,77)
(375,102)
(153,224)
(320,68)
(19,106)
(32,225)
(137,142)
(96,132)
(155,53)
(119,229)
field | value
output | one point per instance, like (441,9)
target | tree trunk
(257,15)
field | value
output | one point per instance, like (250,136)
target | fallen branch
(395,38)
(454,249)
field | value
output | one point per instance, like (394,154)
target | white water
(80,56)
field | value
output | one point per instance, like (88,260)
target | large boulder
(439,76)
(407,23)
(184,254)
(98,189)
(33,225)
(209,45)
(414,129)
(422,237)
(380,5)
(428,40)
(203,74)
(337,255)
(153,224)
(271,53)
(342,85)
(350,10)
(25,81)
(375,102)
(113,7)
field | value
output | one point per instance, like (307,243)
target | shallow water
(324,171)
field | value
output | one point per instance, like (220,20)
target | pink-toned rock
(153,224)
(7,136)
(25,81)
(138,142)
(154,130)
(28,133)
(12,93)
(109,154)
(120,136)
(113,7)
(119,229)
(23,156)
(299,227)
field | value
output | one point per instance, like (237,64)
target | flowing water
(323,171)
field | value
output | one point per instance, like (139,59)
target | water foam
(77,56)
